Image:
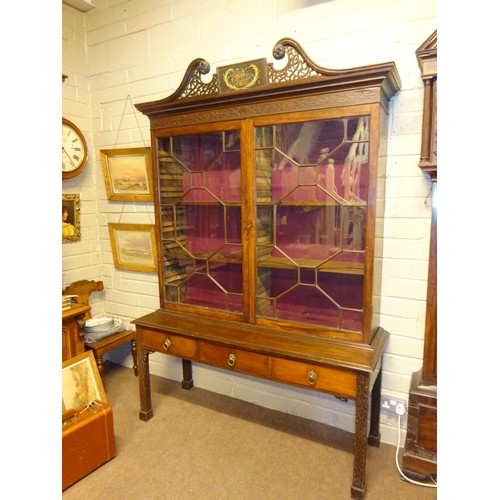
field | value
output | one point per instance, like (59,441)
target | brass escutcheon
(311,377)
(167,344)
(231,360)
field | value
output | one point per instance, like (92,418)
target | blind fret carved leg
(146,411)
(374,436)
(187,374)
(360,441)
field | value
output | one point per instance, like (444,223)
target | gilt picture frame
(70,218)
(81,382)
(133,247)
(127,173)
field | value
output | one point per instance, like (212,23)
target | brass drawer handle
(231,360)
(167,344)
(311,377)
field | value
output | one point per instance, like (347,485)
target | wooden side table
(107,343)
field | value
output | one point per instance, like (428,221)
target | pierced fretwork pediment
(252,79)
(192,85)
(298,66)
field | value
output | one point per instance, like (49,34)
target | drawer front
(246,362)
(338,382)
(167,343)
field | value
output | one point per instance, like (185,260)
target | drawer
(336,381)
(167,343)
(247,362)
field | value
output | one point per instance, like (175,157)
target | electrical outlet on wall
(394,405)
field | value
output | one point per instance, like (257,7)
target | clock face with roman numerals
(74,150)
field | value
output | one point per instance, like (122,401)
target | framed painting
(70,218)
(133,246)
(81,382)
(127,174)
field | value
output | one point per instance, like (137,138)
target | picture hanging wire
(147,211)
(128,99)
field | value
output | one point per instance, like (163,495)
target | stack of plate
(100,327)
(99,324)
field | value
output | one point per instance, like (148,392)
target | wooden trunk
(88,441)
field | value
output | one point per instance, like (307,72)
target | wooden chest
(88,441)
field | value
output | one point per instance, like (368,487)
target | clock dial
(74,150)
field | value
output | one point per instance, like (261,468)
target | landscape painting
(127,173)
(133,246)
(81,382)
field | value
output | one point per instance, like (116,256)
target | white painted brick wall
(141,48)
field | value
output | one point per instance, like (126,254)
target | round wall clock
(74,150)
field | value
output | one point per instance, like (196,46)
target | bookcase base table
(343,369)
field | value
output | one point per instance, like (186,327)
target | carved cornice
(299,75)
(427,57)
(349,98)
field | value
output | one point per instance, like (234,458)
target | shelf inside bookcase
(327,267)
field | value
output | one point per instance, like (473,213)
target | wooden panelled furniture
(420,456)
(73,323)
(267,216)
(84,289)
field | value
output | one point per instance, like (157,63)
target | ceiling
(83,5)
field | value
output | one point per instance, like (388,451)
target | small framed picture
(81,382)
(70,218)
(133,246)
(127,174)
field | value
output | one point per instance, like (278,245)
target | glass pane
(312,189)
(220,287)
(304,232)
(197,152)
(200,217)
(223,177)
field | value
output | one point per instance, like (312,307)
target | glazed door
(266,220)
(199,194)
(311,183)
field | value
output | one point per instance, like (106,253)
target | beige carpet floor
(201,445)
